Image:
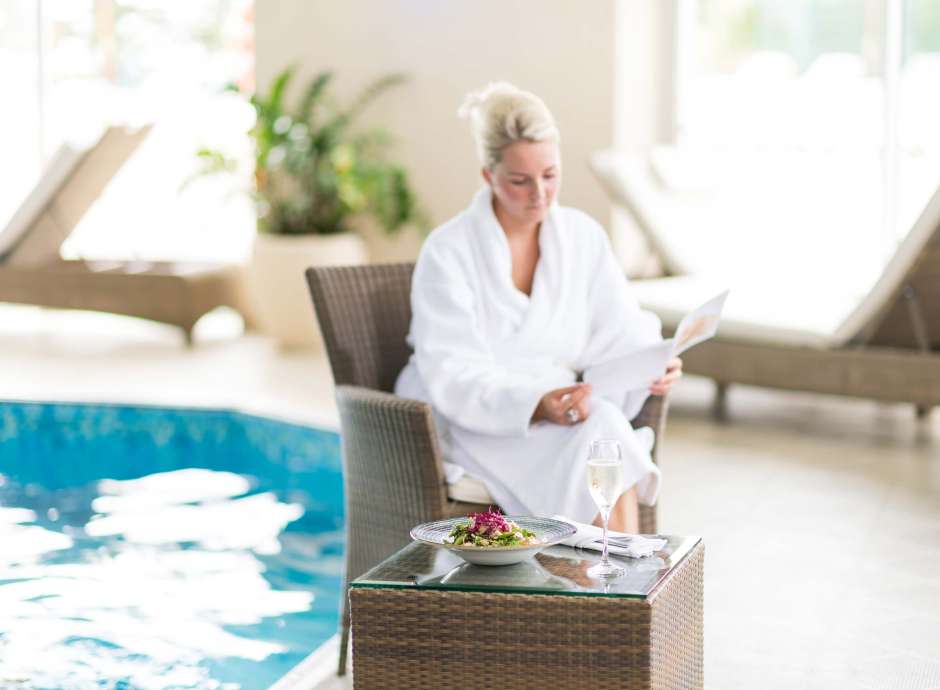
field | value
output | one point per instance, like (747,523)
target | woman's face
(526,180)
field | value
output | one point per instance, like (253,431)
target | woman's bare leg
(625,517)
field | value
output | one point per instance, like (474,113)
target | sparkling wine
(605,482)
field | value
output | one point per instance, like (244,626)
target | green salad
(491,529)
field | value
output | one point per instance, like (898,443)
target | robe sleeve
(463,378)
(618,325)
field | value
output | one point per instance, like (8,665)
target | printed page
(631,372)
(700,324)
(640,368)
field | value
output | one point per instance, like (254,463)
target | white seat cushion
(469,489)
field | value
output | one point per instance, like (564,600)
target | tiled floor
(821,516)
(57,355)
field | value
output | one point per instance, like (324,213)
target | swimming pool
(149,547)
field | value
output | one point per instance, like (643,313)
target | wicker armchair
(392,464)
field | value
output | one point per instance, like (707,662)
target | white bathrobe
(485,353)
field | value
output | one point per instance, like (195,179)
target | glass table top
(555,570)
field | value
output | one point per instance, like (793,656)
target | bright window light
(820,115)
(94,63)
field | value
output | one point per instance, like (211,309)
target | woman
(510,299)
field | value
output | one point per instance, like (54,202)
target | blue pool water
(160,548)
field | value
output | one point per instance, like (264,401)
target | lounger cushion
(790,314)
(670,229)
(913,263)
(804,310)
(795,282)
(730,214)
(61,165)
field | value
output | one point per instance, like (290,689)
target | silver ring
(572,415)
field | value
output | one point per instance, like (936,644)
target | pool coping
(320,423)
(313,670)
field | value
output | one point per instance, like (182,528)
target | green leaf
(276,93)
(369,94)
(312,96)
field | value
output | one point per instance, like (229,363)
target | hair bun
(479,100)
(501,114)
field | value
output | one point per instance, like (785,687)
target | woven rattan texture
(678,626)
(392,482)
(364,314)
(437,640)
(653,414)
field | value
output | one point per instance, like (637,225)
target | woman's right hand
(565,406)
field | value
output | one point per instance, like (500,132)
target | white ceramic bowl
(546,529)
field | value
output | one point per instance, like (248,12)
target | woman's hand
(565,406)
(673,373)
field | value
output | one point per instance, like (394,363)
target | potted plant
(315,177)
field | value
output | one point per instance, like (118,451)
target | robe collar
(534,311)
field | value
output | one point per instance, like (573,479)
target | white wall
(643,102)
(563,50)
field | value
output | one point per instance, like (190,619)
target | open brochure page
(640,368)
(699,325)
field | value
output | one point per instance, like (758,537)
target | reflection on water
(165,582)
(24,542)
(167,488)
(151,511)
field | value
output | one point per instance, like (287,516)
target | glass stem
(605,515)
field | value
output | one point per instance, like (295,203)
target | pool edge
(320,422)
(313,669)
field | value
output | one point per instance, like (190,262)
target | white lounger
(829,335)
(33,272)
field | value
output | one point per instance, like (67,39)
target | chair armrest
(392,470)
(653,414)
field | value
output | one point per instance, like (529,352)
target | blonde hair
(501,114)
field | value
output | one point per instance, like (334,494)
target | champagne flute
(605,482)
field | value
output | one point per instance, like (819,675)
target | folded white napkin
(591,537)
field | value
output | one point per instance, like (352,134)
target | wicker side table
(476,627)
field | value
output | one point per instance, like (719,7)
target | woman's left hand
(673,373)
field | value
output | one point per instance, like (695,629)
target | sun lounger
(32,271)
(834,336)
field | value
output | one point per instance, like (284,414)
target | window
(822,111)
(21,131)
(86,64)
(917,136)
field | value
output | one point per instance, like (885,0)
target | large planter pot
(279,288)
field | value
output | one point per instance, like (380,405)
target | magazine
(640,368)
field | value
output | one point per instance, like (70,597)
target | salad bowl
(546,530)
